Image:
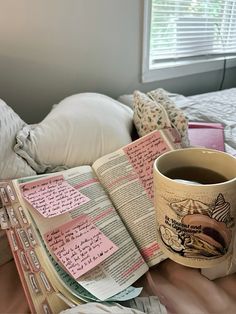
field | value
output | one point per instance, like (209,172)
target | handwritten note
(79,245)
(142,154)
(52,196)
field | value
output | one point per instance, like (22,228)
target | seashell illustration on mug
(190,206)
(204,231)
(221,210)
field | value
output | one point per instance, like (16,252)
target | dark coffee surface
(195,175)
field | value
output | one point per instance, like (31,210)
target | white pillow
(127,100)
(80,129)
(11,165)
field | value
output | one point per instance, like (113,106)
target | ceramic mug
(195,204)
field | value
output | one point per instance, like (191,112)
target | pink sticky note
(52,196)
(79,245)
(142,154)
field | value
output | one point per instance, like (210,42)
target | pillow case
(148,114)
(177,117)
(11,165)
(156,110)
(77,131)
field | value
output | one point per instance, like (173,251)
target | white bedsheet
(218,107)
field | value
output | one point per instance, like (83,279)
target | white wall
(50,49)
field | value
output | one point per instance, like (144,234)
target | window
(183,37)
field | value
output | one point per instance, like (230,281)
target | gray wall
(50,49)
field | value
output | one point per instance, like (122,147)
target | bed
(219,107)
(181,289)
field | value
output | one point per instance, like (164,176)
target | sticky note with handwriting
(142,154)
(52,196)
(79,245)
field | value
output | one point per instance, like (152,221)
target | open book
(86,233)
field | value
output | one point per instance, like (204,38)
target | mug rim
(200,149)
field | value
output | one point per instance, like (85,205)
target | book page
(69,287)
(123,267)
(77,290)
(79,245)
(127,175)
(52,196)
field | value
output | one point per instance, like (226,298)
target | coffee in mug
(195,175)
(195,203)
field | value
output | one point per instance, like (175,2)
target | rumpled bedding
(181,289)
(140,305)
(219,107)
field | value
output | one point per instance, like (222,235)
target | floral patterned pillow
(155,110)
(148,115)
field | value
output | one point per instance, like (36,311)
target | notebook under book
(206,134)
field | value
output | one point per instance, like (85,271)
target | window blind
(185,30)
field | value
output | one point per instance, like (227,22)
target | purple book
(206,134)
